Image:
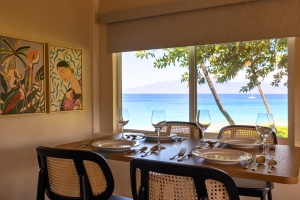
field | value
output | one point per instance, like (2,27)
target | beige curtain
(239,20)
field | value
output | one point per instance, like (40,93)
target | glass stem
(264,153)
(158,142)
(202,138)
(123,132)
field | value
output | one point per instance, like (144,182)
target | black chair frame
(198,173)
(78,156)
(252,188)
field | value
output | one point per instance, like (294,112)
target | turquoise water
(242,110)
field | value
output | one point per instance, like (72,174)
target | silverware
(218,144)
(259,160)
(246,166)
(189,154)
(271,164)
(128,152)
(153,149)
(82,146)
(140,150)
(181,153)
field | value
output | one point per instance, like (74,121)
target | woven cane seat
(73,174)
(182,129)
(243,131)
(157,180)
(248,187)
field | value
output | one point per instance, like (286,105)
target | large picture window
(235,81)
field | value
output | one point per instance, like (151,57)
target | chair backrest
(73,174)
(183,129)
(151,179)
(244,131)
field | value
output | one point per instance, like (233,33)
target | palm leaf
(22,49)
(5,51)
(39,74)
(5,58)
(11,102)
(22,61)
(4,41)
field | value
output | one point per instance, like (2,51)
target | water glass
(203,121)
(158,121)
(264,126)
(122,119)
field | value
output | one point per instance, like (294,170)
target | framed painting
(65,78)
(22,73)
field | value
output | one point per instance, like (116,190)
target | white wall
(67,23)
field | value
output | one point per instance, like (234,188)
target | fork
(181,153)
(189,154)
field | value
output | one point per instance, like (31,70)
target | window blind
(228,21)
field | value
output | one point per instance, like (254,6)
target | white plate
(241,142)
(162,136)
(222,155)
(115,145)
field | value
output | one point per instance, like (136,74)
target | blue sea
(241,108)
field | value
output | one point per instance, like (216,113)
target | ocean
(242,109)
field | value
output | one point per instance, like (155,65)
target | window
(245,77)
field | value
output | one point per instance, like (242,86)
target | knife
(248,163)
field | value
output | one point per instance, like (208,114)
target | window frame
(292,62)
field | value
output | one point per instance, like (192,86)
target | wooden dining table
(286,171)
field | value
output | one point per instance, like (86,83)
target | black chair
(73,174)
(163,180)
(247,187)
(183,129)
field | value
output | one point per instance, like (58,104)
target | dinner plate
(241,142)
(162,136)
(115,145)
(222,155)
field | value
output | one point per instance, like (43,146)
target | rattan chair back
(244,131)
(73,174)
(153,180)
(182,129)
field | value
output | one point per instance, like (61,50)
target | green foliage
(282,131)
(224,61)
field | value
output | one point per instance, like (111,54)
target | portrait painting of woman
(65,66)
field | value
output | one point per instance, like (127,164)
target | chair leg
(263,196)
(270,195)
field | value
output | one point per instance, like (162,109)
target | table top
(286,171)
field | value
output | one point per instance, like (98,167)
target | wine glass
(203,121)
(158,121)
(264,126)
(122,119)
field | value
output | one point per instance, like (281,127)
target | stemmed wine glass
(264,126)
(158,121)
(203,121)
(122,119)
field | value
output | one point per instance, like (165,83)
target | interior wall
(66,23)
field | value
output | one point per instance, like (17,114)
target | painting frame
(22,76)
(64,82)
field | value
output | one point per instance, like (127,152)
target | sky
(138,72)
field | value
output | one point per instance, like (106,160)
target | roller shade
(234,21)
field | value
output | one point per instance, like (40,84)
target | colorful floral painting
(21,76)
(65,67)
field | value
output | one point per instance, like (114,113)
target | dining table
(285,172)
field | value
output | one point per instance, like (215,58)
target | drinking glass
(158,121)
(122,119)
(264,126)
(203,121)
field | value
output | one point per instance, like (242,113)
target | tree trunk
(263,97)
(215,95)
